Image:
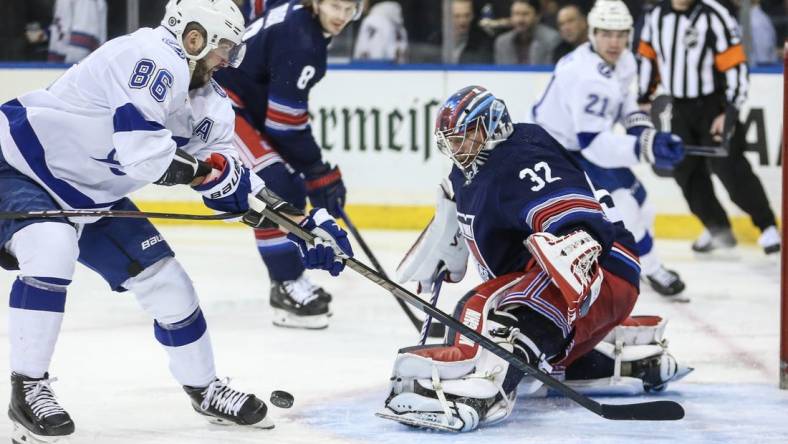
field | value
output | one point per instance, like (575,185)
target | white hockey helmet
(611,15)
(221,19)
(356,15)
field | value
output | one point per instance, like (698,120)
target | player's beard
(200,76)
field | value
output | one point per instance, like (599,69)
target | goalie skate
(35,413)
(299,304)
(420,411)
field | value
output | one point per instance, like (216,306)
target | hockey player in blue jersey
(561,277)
(287,56)
(588,95)
(140,109)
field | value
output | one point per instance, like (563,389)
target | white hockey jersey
(382,35)
(78,28)
(110,125)
(585,98)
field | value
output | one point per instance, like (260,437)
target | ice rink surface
(113,376)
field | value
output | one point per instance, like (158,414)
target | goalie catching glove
(439,245)
(571,261)
(331,245)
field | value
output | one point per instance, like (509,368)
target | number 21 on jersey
(540,175)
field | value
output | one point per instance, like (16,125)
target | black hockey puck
(281,399)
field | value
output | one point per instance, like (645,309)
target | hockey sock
(279,255)
(35,315)
(188,345)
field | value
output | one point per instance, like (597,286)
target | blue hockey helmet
(469,124)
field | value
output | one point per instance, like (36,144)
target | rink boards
(376,123)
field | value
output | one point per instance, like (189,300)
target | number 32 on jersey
(540,175)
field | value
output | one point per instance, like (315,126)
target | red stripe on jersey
(257,144)
(86,41)
(287,119)
(560,207)
(268,233)
(237,102)
(634,256)
(322,181)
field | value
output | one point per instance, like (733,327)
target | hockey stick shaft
(50,214)
(368,252)
(705,151)
(655,410)
(436,291)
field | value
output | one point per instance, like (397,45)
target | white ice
(114,381)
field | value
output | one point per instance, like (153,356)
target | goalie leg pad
(458,386)
(631,359)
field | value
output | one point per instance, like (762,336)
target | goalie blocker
(459,386)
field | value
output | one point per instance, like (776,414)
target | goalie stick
(662,410)
(437,281)
(435,330)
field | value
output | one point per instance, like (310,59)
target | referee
(693,49)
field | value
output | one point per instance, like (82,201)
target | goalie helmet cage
(783,252)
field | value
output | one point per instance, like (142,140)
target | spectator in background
(573,28)
(78,27)
(382,35)
(471,44)
(21,29)
(764,37)
(493,16)
(529,42)
(549,16)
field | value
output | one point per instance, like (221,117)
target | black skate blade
(646,411)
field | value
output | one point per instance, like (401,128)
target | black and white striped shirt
(692,53)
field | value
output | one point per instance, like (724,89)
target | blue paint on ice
(716,413)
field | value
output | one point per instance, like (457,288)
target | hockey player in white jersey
(142,108)
(78,28)
(587,96)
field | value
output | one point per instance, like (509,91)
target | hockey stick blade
(647,411)
(436,330)
(705,151)
(48,214)
(652,411)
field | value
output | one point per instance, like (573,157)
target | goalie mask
(469,124)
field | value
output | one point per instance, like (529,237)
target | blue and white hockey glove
(331,245)
(325,188)
(663,150)
(228,186)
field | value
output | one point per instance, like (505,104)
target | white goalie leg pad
(641,361)
(440,387)
(440,242)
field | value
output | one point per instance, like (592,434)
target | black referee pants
(691,121)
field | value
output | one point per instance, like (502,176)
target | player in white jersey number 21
(141,109)
(593,82)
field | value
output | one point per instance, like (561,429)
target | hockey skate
(770,240)
(299,304)
(666,283)
(714,239)
(35,413)
(221,404)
